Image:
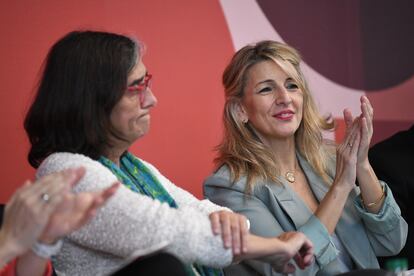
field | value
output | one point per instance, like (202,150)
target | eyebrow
(264,81)
(272,81)
(138,81)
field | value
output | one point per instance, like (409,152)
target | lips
(284,115)
(143,115)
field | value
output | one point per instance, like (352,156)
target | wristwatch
(46,250)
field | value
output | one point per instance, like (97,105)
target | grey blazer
(274,208)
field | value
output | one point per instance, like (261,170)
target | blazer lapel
(291,204)
(316,182)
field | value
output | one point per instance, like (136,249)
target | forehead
(264,70)
(138,71)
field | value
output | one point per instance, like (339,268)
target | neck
(284,151)
(114,153)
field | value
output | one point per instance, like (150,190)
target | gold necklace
(290,176)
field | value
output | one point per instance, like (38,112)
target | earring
(245,120)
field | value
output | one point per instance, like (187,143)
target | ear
(241,113)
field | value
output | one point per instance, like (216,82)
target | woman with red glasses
(93,102)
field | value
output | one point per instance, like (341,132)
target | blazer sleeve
(131,224)
(386,230)
(265,223)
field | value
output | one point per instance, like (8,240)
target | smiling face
(272,102)
(130,118)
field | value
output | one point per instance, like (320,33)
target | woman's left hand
(366,123)
(233,228)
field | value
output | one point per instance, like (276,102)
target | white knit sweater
(131,224)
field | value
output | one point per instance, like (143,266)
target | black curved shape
(362,44)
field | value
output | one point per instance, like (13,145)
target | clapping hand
(47,210)
(365,122)
(347,152)
(29,209)
(75,210)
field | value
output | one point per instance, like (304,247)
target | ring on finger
(45,197)
(247,224)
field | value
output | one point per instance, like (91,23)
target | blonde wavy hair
(241,149)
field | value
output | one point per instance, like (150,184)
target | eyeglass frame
(142,87)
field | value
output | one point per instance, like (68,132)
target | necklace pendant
(290,176)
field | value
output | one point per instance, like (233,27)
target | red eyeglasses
(142,87)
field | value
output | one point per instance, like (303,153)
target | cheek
(299,107)
(121,116)
(258,108)
(300,112)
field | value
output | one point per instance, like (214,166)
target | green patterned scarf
(137,177)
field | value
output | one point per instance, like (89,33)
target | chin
(285,133)
(136,135)
(285,136)
(141,128)
(140,135)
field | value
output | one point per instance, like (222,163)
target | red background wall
(188,47)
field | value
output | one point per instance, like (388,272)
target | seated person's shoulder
(223,172)
(222,178)
(63,160)
(96,174)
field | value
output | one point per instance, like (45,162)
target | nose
(150,99)
(283,97)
